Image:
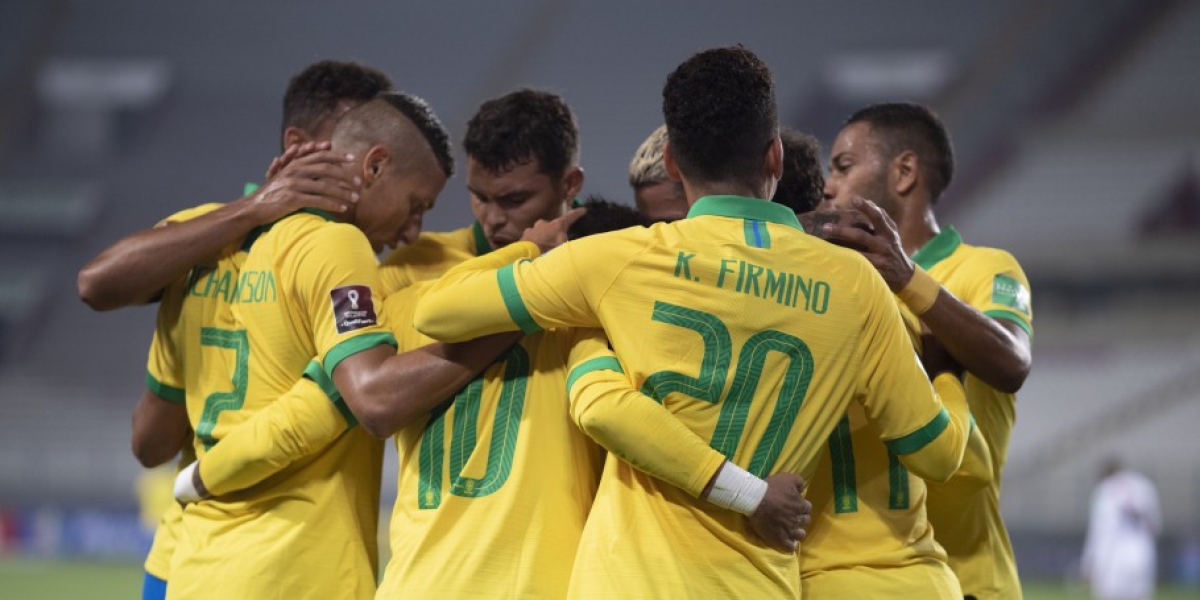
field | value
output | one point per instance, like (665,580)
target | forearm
(160,428)
(936,452)
(299,424)
(642,432)
(468,300)
(978,342)
(136,268)
(977,469)
(387,393)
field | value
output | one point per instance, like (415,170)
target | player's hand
(813,220)
(881,246)
(783,515)
(305,176)
(549,235)
(936,359)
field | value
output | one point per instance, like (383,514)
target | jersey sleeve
(630,424)
(306,419)
(484,295)
(977,469)
(999,289)
(164,364)
(928,435)
(395,273)
(337,283)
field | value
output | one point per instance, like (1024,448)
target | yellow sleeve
(394,272)
(999,288)
(977,468)
(188,214)
(164,364)
(632,425)
(928,435)
(337,282)
(477,298)
(309,417)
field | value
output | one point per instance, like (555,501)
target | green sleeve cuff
(314,372)
(921,437)
(513,301)
(170,394)
(600,363)
(353,346)
(1021,321)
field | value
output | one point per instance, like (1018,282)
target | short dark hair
(803,183)
(313,93)
(719,106)
(431,128)
(604,215)
(900,126)
(524,125)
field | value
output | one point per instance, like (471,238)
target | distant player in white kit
(1118,552)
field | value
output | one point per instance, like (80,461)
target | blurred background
(1075,124)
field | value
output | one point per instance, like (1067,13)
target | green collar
(937,249)
(249,188)
(741,207)
(482,245)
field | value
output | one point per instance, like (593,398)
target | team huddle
(760,383)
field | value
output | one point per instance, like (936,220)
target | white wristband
(737,489)
(185,490)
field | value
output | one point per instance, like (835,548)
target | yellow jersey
(306,288)
(430,256)
(165,377)
(495,486)
(966,518)
(813,329)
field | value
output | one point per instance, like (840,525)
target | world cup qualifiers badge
(353,308)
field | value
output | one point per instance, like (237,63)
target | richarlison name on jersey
(251,287)
(739,276)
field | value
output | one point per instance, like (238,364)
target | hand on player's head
(552,234)
(846,217)
(308,175)
(881,245)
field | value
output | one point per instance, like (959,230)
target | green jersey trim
(921,437)
(757,234)
(1011,316)
(314,372)
(938,249)
(169,393)
(482,245)
(513,302)
(347,348)
(741,207)
(250,188)
(600,363)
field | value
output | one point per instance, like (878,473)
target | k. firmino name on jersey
(740,276)
(223,284)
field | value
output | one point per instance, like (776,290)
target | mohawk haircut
(901,126)
(719,106)
(522,126)
(604,215)
(803,183)
(647,167)
(375,122)
(312,94)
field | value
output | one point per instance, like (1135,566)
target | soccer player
(138,268)
(657,196)
(1118,551)
(974,300)
(757,336)
(308,288)
(522,166)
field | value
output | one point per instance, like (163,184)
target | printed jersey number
(224,339)
(506,425)
(845,478)
(709,383)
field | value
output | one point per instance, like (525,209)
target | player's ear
(773,161)
(905,170)
(293,136)
(669,163)
(375,160)
(572,182)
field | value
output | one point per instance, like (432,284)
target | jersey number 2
(225,339)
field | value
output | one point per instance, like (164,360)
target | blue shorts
(154,588)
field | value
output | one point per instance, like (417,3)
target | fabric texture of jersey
(495,485)
(966,519)
(755,335)
(430,256)
(307,288)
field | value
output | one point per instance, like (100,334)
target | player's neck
(695,190)
(917,228)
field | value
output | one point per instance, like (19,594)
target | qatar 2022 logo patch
(353,308)
(1007,291)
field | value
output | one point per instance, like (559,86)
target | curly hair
(604,215)
(313,93)
(719,106)
(803,183)
(522,126)
(901,126)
